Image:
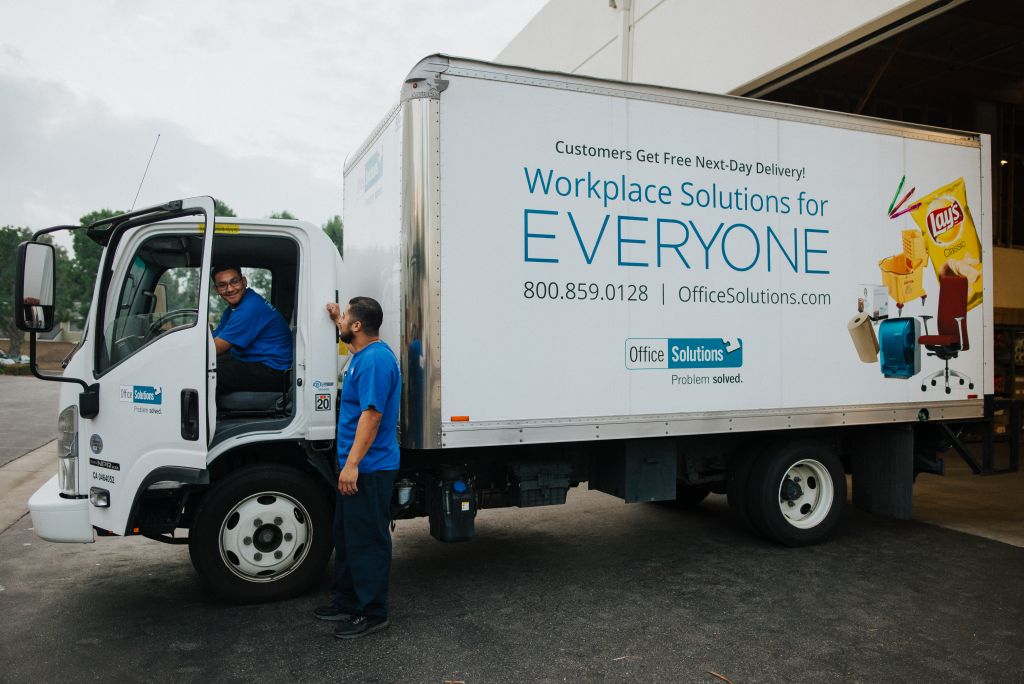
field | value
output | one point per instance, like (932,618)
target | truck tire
(262,534)
(796,492)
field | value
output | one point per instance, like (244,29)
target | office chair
(951,338)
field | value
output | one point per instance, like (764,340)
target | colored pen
(897,194)
(905,198)
(906,210)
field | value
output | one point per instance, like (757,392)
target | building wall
(573,36)
(680,43)
(1008,278)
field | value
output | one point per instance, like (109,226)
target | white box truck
(660,293)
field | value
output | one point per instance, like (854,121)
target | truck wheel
(796,492)
(262,534)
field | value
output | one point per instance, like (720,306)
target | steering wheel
(184,314)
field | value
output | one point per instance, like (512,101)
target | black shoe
(331,613)
(360,625)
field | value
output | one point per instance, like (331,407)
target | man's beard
(346,337)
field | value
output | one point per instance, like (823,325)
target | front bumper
(58,519)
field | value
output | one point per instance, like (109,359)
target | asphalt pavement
(593,590)
(28,415)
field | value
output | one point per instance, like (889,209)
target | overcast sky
(256,102)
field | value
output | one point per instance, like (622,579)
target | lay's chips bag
(951,237)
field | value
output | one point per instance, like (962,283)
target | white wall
(572,36)
(726,46)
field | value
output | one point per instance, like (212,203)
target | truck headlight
(67,452)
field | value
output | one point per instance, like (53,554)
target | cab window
(158,294)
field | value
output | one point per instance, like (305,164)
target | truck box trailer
(658,292)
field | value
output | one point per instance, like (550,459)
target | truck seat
(259,403)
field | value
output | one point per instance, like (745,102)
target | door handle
(190,414)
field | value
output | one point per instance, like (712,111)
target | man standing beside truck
(254,344)
(368,455)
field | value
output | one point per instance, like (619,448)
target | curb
(20,478)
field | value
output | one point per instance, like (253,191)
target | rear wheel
(262,534)
(796,492)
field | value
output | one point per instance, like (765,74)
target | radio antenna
(145,172)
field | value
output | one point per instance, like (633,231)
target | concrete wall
(728,46)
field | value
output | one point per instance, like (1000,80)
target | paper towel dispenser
(900,354)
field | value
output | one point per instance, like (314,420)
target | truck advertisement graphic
(661,259)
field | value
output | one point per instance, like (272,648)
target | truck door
(152,361)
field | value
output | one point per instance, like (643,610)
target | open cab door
(152,357)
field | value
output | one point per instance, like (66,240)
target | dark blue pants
(240,376)
(362,546)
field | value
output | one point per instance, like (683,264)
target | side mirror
(33,287)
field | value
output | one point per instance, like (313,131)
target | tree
(283,215)
(82,271)
(66,294)
(259,280)
(222,209)
(335,230)
(10,237)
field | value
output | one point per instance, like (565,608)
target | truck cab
(163,450)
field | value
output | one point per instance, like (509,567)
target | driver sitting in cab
(254,344)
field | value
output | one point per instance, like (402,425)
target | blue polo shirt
(372,380)
(257,332)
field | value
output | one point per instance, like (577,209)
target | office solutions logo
(142,394)
(683,352)
(143,398)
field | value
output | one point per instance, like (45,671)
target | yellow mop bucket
(902,277)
